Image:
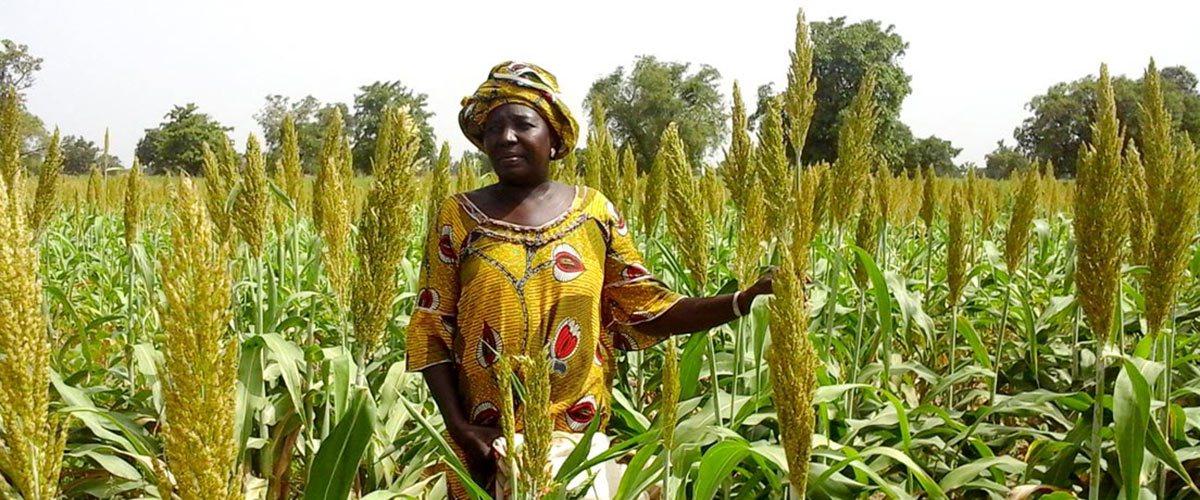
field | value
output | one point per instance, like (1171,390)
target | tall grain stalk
(384,228)
(849,177)
(738,169)
(601,154)
(31,437)
(956,270)
(928,209)
(45,201)
(539,425)
(1171,184)
(669,411)
(1015,246)
(200,359)
(687,230)
(1101,224)
(134,205)
(250,216)
(439,184)
(10,139)
(793,361)
(747,255)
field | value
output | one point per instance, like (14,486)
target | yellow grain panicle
(738,170)
(772,165)
(1101,221)
(200,358)
(251,205)
(384,227)
(799,101)
(855,153)
(31,438)
(135,202)
(793,362)
(45,201)
(1023,209)
(684,206)
(866,234)
(956,248)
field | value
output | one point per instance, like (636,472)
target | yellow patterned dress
(575,288)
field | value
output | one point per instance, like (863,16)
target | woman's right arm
(474,440)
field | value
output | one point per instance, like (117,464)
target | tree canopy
(310,117)
(1061,118)
(177,143)
(842,54)
(369,105)
(932,151)
(17,65)
(654,93)
(1003,161)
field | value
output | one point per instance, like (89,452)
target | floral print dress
(574,289)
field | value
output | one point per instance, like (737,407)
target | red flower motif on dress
(599,358)
(490,346)
(485,414)
(624,342)
(445,247)
(566,342)
(581,413)
(634,271)
(622,229)
(567,263)
(427,298)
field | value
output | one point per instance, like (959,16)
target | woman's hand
(476,443)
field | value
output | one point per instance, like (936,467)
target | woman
(529,262)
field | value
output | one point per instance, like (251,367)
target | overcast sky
(974,65)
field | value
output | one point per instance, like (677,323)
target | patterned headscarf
(524,83)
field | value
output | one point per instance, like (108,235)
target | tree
(655,93)
(1004,161)
(369,105)
(310,117)
(79,155)
(933,152)
(1061,118)
(842,55)
(17,65)
(177,143)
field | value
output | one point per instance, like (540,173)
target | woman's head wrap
(528,84)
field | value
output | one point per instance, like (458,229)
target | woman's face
(518,142)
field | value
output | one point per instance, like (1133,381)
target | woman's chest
(570,262)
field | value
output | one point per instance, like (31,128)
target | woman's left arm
(693,314)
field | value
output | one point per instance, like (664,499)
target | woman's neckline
(480,216)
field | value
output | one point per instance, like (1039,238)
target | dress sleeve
(632,295)
(434,320)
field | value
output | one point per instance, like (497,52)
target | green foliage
(17,65)
(842,55)
(935,152)
(310,117)
(1004,161)
(641,103)
(1061,118)
(177,143)
(369,106)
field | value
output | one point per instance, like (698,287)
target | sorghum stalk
(439,187)
(747,255)
(670,407)
(687,229)
(466,173)
(290,161)
(45,203)
(94,188)
(133,213)
(331,153)
(31,437)
(793,361)
(799,100)
(601,153)
(384,228)
(10,139)
(773,172)
(738,170)
(508,422)
(1016,241)
(652,195)
(1101,224)
(219,176)
(1171,187)
(928,208)
(200,359)
(538,424)
(628,183)
(848,178)
(250,217)
(956,270)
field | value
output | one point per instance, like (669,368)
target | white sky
(974,65)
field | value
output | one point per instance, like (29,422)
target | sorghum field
(242,335)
